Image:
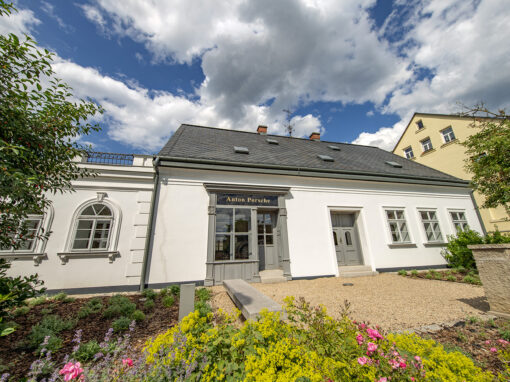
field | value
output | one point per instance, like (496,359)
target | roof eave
(193,163)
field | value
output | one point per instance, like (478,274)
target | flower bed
(460,275)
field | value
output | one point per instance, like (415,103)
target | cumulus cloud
(19,23)
(463,44)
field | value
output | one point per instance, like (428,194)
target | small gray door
(268,254)
(346,241)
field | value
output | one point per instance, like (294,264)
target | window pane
(222,247)
(243,219)
(260,228)
(242,248)
(99,244)
(26,245)
(400,214)
(405,236)
(424,215)
(103,211)
(89,211)
(85,224)
(224,217)
(391,214)
(269,228)
(261,240)
(335,238)
(348,240)
(269,239)
(80,244)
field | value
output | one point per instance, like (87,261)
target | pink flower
(402,365)
(383,379)
(412,379)
(394,364)
(71,371)
(374,334)
(417,358)
(359,338)
(362,360)
(128,362)
(371,347)
(362,326)
(487,342)
(503,342)
(493,350)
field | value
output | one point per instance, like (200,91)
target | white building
(232,204)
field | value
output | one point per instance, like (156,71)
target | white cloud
(464,44)
(19,23)
(49,9)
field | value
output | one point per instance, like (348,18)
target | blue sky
(355,70)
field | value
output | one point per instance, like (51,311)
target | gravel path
(391,301)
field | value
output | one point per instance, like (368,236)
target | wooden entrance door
(345,237)
(266,227)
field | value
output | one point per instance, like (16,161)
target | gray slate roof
(213,144)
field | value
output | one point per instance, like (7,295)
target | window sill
(402,245)
(435,244)
(420,130)
(65,256)
(36,256)
(232,261)
(427,152)
(449,143)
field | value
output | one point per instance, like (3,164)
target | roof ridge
(274,135)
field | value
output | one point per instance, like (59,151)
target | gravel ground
(391,301)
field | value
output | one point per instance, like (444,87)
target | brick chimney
(262,129)
(315,136)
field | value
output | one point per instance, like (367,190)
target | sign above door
(247,200)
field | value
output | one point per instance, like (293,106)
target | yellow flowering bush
(307,346)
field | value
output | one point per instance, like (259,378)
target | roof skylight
(272,141)
(326,158)
(333,147)
(241,150)
(394,164)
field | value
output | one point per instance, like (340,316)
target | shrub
(471,280)
(86,351)
(429,276)
(15,290)
(309,346)
(149,304)
(138,316)
(121,324)
(149,293)
(203,308)
(414,272)
(460,269)
(84,312)
(60,296)
(451,278)
(456,252)
(49,326)
(46,311)
(168,301)
(203,294)
(37,301)
(21,311)
(175,290)
(119,305)
(402,272)
(95,305)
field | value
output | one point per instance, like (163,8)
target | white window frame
(94,219)
(425,145)
(453,221)
(431,221)
(36,252)
(418,125)
(111,250)
(448,136)
(40,218)
(388,225)
(408,150)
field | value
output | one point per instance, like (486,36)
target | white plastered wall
(179,252)
(128,190)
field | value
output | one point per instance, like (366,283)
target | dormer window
(420,125)
(426,145)
(409,152)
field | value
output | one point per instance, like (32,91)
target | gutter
(148,240)
(298,170)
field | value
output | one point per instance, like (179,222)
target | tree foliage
(40,122)
(488,156)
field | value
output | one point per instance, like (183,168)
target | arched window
(93,228)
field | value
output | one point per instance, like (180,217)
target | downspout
(148,241)
(477,209)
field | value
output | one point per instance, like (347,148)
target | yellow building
(434,140)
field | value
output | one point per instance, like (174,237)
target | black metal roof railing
(108,158)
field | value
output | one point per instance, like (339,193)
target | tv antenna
(289,127)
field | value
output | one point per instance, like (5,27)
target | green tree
(488,156)
(40,122)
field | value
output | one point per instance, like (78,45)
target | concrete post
(186,300)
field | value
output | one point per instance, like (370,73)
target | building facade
(98,232)
(218,204)
(433,140)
